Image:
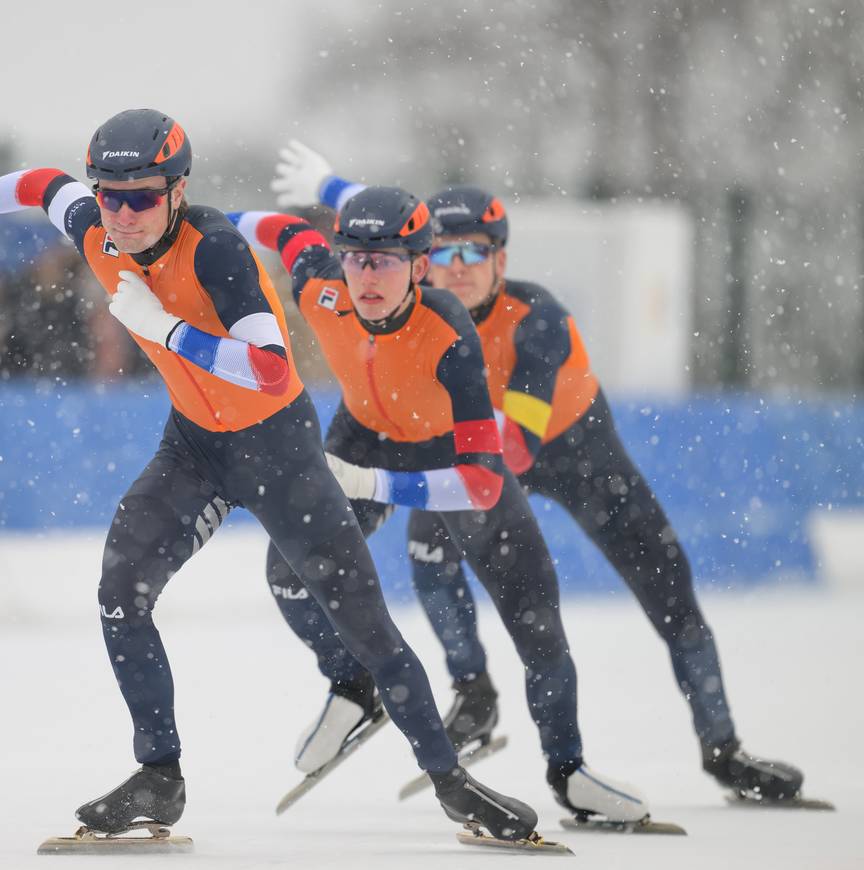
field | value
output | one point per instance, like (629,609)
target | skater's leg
(311,522)
(507,552)
(311,624)
(165,517)
(340,576)
(588,471)
(443,590)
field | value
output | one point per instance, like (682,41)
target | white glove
(356,482)
(299,177)
(140,311)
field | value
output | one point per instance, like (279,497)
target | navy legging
(507,552)
(588,471)
(277,471)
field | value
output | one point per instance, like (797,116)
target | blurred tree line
(750,113)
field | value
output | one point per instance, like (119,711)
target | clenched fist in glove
(299,176)
(140,311)
(356,482)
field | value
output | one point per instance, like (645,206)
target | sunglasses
(470,253)
(138,199)
(357,261)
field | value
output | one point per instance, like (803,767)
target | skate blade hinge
(87,841)
(589,822)
(533,843)
(799,802)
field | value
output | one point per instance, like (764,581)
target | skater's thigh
(167,515)
(298,501)
(507,552)
(429,539)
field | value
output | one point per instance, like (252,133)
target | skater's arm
(304,177)
(69,204)
(542,344)
(303,250)
(474,480)
(254,355)
(263,369)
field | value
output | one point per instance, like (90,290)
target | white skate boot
(588,794)
(345,711)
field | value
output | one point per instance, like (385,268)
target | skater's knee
(146,545)
(539,638)
(690,633)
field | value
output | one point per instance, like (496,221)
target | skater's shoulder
(535,296)
(446,307)
(210,221)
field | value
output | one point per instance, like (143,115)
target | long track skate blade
(467,757)
(796,803)
(312,779)
(533,844)
(86,841)
(644,826)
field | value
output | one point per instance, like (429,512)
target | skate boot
(474,712)
(752,777)
(156,792)
(467,801)
(588,794)
(347,708)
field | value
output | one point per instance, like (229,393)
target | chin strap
(392,321)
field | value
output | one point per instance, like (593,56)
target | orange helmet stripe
(173,141)
(419,218)
(494,212)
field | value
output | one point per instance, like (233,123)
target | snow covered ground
(792,657)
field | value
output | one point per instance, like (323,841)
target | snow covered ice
(792,658)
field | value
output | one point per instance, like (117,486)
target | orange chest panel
(575,383)
(497,335)
(204,398)
(388,382)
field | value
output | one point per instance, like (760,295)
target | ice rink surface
(245,687)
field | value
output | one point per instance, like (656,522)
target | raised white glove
(356,482)
(299,176)
(140,311)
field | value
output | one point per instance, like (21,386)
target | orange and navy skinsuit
(415,407)
(241,432)
(559,437)
(228,365)
(539,376)
(414,400)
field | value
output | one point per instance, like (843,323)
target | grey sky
(221,68)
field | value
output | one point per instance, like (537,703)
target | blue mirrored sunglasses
(470,253)
(138,199)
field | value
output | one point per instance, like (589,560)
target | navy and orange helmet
(384,217)
(139,143)
(462,209)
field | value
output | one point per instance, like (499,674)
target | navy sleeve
(229,273)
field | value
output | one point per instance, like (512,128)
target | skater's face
(131,230)
(378,281)
(472,281)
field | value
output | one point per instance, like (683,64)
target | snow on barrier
(739,475)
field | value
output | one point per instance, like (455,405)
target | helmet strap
(481,311)
(393,321)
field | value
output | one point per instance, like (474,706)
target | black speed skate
(154,793)
(470,803)
(474,712)
(750,777)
